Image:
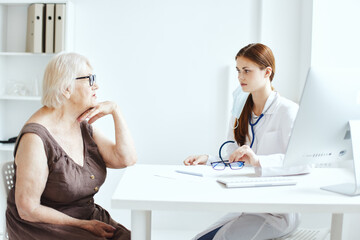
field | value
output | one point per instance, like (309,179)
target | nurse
(260,125)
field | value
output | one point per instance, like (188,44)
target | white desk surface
(159,187)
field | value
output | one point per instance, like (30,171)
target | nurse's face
(251,77)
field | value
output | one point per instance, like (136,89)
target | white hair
(60,74)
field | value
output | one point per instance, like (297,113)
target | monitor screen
(331,97)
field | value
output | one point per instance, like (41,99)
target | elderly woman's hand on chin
(100,110)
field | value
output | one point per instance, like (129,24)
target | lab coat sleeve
(272,165)
(282,171)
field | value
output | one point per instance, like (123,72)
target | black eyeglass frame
(225,162)
(92,79)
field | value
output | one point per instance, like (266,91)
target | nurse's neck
(260,97)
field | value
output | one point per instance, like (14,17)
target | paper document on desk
(243,182)
(208,171)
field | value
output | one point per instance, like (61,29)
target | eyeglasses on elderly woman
(92,79)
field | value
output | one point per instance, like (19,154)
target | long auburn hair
(263,57)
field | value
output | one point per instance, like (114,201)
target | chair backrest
(8,172)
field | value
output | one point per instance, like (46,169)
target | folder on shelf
(59,27)
(49,28)
(34,35)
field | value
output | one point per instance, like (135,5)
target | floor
(173,235)
(188,235)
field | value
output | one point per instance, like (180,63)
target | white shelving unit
(21,74)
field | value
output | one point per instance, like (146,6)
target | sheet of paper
(202,173)
(208,171)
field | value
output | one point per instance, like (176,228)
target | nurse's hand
(245,154)
(195,160)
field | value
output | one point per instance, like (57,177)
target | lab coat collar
(271,103)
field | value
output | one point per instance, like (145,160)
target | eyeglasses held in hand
(92,79)
(221,165)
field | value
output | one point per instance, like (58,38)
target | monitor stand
(351,189)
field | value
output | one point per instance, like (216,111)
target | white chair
(8,172)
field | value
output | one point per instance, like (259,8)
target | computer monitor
(327,125)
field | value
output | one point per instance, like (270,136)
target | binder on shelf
(34,34)
(59,27)
(49,28)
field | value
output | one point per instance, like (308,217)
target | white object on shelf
(21,98)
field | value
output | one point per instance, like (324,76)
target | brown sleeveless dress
(70,189)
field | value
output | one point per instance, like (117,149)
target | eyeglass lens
(222,165)
(92,79)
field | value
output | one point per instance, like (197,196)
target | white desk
(192,193)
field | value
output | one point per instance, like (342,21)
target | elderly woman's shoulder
(40,117)
(30,137)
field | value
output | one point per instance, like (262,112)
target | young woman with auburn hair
(260,125)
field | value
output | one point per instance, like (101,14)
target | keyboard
(238,182)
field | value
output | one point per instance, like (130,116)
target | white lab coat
(272,134)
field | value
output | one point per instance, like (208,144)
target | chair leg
(336,226)
(5,235)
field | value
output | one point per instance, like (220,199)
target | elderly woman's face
(85,95)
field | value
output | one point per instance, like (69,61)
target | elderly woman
(61,160)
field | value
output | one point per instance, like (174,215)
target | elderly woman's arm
(121,153)
(31,177)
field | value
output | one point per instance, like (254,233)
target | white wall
(336,34)
(280,29)
(166,63)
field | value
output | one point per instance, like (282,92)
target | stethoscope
(252,127)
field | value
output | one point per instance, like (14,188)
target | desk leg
(336,226)
(140,225)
